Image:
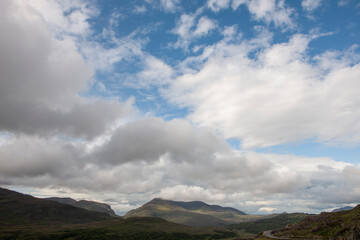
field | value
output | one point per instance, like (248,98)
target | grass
(133,228)
(269,223)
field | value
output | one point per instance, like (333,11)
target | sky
(252,104)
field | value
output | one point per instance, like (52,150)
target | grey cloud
(41,78)
(210,171)
(33,157)
(149,139)
(84,119)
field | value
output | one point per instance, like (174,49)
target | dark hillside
(334,225)
(88,205)
(17,208)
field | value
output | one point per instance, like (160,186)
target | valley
(26,217)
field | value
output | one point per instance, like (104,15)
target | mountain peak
(194,213)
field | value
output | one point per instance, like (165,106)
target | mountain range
(26,217)
(342,209)
(17,208)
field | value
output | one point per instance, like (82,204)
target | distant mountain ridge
(195,213)
(88,205)
(18,208)
(196,205)
(347,208)
(26,217)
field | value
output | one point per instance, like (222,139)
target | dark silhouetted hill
(88,205)
(17,208)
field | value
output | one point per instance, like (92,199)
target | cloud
(190,193)
(245,98)
(155,72)
(169,168)
(310,5)
(269,11)
(58,140)
(272,11)
(74,22)
(41,80)
(139,9)
(38,157)
(150,139)
(217,5)
(170,5)
(343,3)
(204,26)
(188,28)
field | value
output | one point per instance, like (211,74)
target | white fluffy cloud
(278,97)
(216,5)
(310,5)
(272,11)
(155,72)
(269,11)
(189,27)
(170,5)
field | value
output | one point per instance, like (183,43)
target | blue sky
(246,103)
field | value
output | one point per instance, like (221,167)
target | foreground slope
(334,225)
(190,213)
(88,205)
(275,222)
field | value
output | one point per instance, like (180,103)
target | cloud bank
(57,138)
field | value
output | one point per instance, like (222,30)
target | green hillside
(275,222)
(191,213)
(334,225)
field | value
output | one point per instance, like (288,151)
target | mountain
(25,217)
(334,225)
(190,213)
(88,205)
(17,208)
(347,208)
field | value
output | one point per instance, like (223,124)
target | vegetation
(133,228)
(334,225)
(276,222)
